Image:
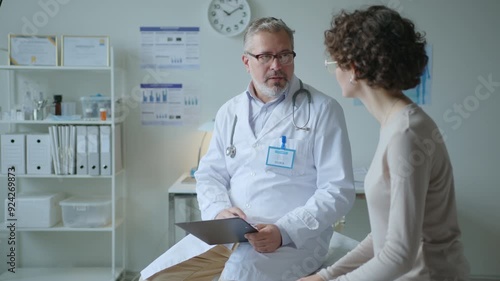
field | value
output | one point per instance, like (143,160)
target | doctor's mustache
(275,74)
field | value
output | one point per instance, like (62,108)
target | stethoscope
(301,90)
(231,149)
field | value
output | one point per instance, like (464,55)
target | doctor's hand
(231,213)
(314,277)
(267,240)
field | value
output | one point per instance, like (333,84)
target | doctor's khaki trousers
(203,267)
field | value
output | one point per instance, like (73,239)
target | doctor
(280,158)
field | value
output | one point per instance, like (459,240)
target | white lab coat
(304,202)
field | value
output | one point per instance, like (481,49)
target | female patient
(376,54)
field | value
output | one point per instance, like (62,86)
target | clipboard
(222,231)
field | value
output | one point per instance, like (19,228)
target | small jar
(103,113)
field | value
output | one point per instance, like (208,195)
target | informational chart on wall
(422,93)
(166,104)
(170,47)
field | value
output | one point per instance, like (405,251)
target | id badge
(280,157)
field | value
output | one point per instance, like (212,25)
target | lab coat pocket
(302,163)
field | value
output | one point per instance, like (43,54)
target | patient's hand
(314,277)
(231,213)
(267,240)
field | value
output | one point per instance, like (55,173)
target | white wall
(464,35)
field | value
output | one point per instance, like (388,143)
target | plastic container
(36,209)
(92,104)
(86,212)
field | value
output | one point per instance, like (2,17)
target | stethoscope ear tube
(231,149)
(300,91)
(294,98)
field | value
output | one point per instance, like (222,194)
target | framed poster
(91,51)
(39,50)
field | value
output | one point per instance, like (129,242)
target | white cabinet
(62,253)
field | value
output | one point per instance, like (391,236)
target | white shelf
(56,122)
(61,228)
(62,274)
(53,68)
(59,78)
(59,176)
(49,122)
(54,176)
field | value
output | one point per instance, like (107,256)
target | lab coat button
(252,174)
(247,205)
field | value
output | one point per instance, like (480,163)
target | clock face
(229,17)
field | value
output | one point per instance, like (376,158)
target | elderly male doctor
(284,165)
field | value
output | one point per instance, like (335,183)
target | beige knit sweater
(411,202)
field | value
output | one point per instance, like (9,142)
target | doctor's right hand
(231,213)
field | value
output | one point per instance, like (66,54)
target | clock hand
(239,8)
(226,12)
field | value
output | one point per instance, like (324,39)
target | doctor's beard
(270,92)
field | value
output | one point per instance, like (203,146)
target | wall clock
(229,17)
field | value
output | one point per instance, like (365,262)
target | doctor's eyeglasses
(331,66)
(283,58)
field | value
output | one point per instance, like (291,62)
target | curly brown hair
(383,47)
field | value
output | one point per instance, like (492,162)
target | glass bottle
(57,104)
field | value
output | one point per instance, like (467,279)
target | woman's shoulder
(416,129)
(416,122)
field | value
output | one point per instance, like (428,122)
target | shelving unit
(65,258)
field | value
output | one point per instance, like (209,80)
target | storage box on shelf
(92,106)
(35,209)
(107,217)
(86,212)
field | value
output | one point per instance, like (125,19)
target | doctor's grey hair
(268,24)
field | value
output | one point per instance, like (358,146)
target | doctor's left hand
(231,213)
(267,240)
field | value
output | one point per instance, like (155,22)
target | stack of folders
(62,141)
(81,150)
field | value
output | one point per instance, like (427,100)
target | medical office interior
(461,96)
